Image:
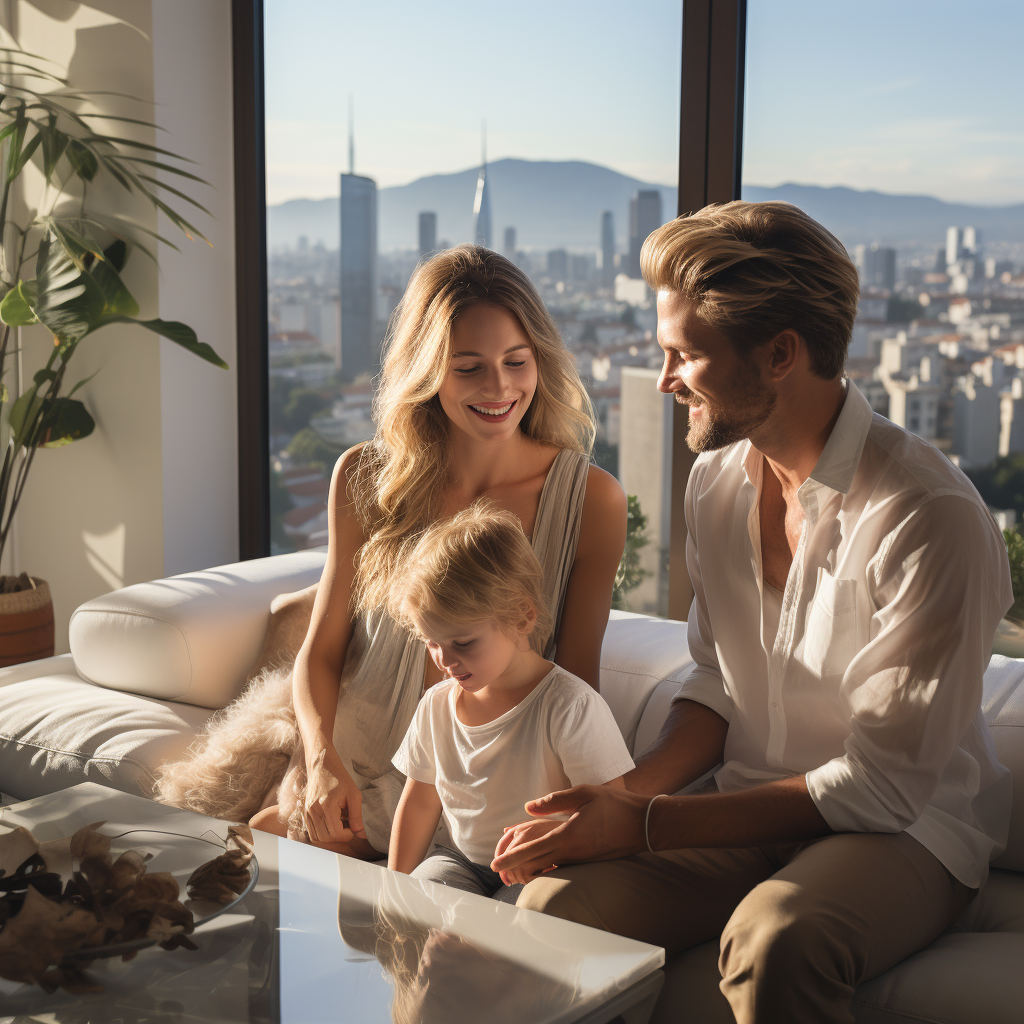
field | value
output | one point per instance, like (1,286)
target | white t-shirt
(562,734)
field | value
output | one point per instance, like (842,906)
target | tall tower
(428,233)
(510,244)
(360,350)
(482,203)
(607,250)
(644,217)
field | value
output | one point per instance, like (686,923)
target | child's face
(475,654)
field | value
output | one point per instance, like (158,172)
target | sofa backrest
(189,638)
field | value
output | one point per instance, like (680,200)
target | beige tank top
(382,679)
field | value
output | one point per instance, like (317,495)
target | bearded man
(848,582)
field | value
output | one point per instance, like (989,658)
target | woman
(478,398)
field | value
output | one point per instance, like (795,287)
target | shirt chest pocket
(830,637)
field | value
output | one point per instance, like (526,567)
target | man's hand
(604,824)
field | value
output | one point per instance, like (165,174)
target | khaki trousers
(801,925)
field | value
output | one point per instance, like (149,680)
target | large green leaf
(83,160)
(116,254)
(16,306)
(70,302)
(24,414)
(66,420)
(117,300)
(54,144)
(24,156)
(183,335)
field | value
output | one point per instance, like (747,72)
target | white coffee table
(323,938)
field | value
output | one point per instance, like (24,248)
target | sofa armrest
(189,638)
(640,652)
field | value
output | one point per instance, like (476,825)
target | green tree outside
(630,574)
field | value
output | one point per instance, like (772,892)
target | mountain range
(559,204)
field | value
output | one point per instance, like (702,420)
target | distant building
(877,266)
(607,250)
(482,205)
(428,233)
(644,217)
(360,352)
(509,249)
(558,265)
(645,469)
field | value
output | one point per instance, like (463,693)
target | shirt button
(775,705)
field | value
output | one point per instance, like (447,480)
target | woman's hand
(333,810)
(515,836)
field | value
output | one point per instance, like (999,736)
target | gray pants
(452,868)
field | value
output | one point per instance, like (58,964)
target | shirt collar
(839,460)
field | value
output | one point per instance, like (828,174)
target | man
(848,581)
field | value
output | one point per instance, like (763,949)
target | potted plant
(60,266)
(1010,632)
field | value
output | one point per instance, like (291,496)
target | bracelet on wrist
(647,821)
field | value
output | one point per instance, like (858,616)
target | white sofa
(151,662)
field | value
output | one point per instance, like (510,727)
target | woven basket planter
(26,625)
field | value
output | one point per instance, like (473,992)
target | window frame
(710,157)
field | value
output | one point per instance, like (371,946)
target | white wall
(198,403)
(154,489)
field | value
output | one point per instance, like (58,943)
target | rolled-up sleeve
(704,684)
(939,585)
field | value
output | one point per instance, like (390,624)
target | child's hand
(516,835)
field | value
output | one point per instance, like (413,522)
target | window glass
(899,127)
(546,131)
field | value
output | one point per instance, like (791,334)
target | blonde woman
(478,398)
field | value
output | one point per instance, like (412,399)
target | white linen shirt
(871,685)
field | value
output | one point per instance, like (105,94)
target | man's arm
(689,745)
(606,824)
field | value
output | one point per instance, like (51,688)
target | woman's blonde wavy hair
(399,478)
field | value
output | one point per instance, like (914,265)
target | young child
(505,726)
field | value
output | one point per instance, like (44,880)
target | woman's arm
(333,808)
(588,596)
(419,811)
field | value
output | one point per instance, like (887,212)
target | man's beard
(751,403)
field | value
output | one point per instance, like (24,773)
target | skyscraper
(644,217)
(428,233)
(510,244)
(607,249)
(360,351)
(482,203)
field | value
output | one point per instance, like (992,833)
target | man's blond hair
(757,269)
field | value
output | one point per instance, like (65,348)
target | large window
(899,127)
(549,132)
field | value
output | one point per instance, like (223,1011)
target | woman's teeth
(492,412)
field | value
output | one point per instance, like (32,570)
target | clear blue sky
(919,96)
(912,96)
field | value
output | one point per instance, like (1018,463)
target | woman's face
(492,375)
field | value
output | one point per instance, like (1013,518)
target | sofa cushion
(188,638)
(57,730)
(1003,705)
(638,653)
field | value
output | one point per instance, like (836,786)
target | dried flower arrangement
(62,899)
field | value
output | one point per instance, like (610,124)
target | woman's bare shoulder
(604,491)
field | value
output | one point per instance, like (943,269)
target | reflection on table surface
(326,938)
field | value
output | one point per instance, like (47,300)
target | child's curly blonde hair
(477,565)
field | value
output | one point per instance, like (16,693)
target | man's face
(727,394)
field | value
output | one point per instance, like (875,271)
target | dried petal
(16,847)
(87,842)
(41,934)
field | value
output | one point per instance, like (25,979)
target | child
(506,726)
